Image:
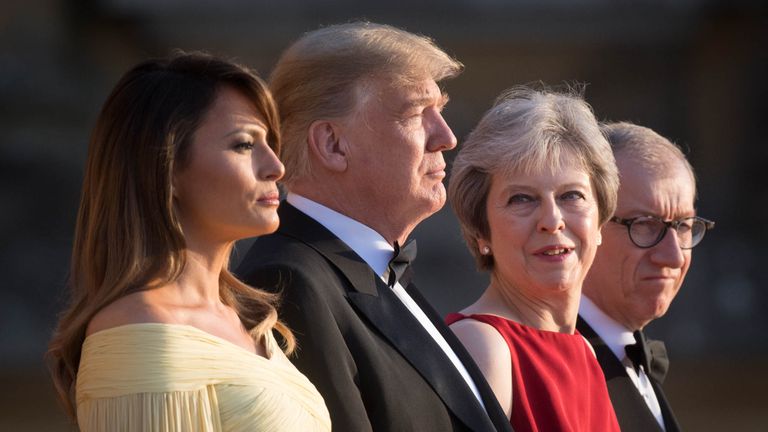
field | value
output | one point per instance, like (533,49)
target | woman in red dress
(532,186)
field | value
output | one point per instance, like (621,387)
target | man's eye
(684,227)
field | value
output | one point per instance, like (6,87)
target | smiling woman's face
(544,228)
(227,189)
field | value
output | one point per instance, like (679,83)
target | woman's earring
(485,250)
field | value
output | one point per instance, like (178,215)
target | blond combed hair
(320,75)
(529,129)
(127,235)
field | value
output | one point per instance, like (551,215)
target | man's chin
(437,199)
(656,309)
(429,205)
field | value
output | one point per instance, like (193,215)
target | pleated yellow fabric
(172,377)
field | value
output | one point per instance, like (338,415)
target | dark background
(695,71)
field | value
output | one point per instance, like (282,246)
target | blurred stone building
(694,70)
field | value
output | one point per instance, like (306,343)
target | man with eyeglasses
(638,270)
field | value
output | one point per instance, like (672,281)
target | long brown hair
(127,236)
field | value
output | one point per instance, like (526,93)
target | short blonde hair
(646,147)
(318,77)
(527,130)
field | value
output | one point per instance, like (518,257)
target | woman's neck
(198,282)
(555,312)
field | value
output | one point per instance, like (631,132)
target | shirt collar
(615,335)
(362,239)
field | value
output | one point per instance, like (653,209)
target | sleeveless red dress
(557,384)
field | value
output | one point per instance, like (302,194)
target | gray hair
(528,130)
(645,147)
(320,75)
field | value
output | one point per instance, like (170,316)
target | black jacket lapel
(297,225)
(670,422)
(376,301)
(390,316)
(630,407)
(492,407)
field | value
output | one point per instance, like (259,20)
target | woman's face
(544,228)
(227,188)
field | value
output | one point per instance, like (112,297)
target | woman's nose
(550,217)
(269,166)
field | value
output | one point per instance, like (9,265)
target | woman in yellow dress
(159,335)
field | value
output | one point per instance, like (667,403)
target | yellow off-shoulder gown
(172,377)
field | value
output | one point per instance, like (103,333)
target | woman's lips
(554,253)
(272,199)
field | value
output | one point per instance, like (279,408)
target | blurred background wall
(693,70)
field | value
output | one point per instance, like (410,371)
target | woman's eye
(572,196)
(520,199)
(243,146)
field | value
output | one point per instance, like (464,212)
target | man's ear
(325,143)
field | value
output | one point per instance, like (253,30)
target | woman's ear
(484,247)
(599,236)
(325,144)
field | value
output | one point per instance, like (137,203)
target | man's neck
(364,212)
(614,334)
(362,239)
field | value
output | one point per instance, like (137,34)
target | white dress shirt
(616,337)
(376,252)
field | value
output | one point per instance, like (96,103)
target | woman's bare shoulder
(134,308)
(491,353)
(480,337)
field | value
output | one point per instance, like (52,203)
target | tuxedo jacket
(374,363)
(631,410)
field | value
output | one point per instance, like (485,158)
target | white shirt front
(376,252)
(616,337)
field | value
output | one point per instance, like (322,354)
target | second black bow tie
(399,265)
(650,354)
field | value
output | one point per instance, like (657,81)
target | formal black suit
(631,410)
(373,362)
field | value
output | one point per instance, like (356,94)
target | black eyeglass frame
(708,225)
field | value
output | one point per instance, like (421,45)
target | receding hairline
(645,147)
(659,168)
(666,164)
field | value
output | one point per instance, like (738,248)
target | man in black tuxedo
(363,141)
(638,270)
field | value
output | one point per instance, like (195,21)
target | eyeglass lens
(646,232)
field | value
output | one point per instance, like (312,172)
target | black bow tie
(399,269)
(650,354)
